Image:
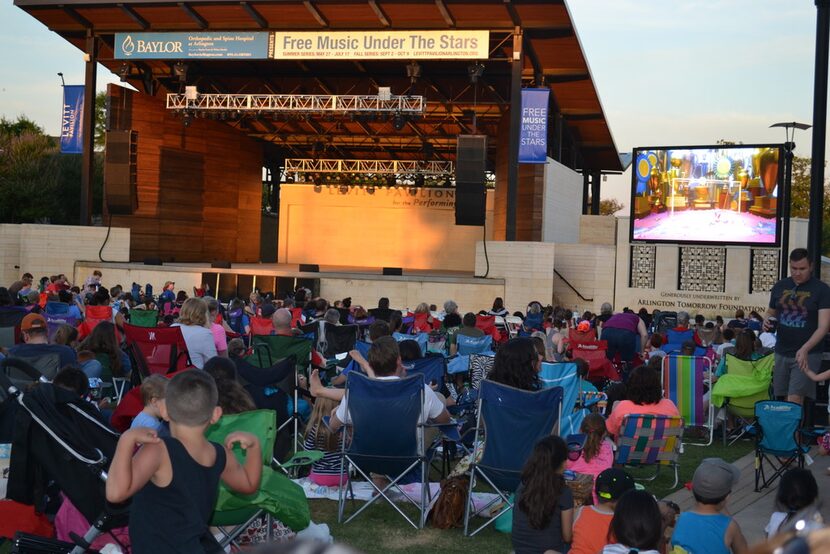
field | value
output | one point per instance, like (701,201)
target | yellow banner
(382,45)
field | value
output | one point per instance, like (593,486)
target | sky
(668,72)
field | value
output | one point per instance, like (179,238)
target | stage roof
(551,45)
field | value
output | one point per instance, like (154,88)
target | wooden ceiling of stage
(552,50)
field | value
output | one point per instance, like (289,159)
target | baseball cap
(612,483)
(714,478)
(33,321)
(583,326)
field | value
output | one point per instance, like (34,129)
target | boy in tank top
(174,481)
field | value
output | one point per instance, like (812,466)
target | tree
(609,206)
(800,198)
(100,120)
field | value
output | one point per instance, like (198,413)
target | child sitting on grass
(597,453)
(174,481)
(705,528)
(152,395)
(326,471)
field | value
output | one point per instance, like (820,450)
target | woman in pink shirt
(220,338)
(645,396)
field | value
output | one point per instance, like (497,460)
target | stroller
(60,438)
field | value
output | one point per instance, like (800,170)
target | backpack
(448,511)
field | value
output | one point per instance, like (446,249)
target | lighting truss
(298,103)
(374,167)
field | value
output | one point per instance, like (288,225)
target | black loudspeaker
(120,172)
(221,264)
(392,271)
(152,261)
(470,192)
(310,268)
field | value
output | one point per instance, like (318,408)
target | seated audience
(796,491)
(739,322)
(468,329)
(706,528)
(326,471)
(153,389)
(592,523)
(220,338)
(103,342)
(517,365)
(498,308)
(543,511)
(644,396)
(597,453)
(193,321)
(637,525)
(46,358)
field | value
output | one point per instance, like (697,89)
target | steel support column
(515,124)
(88,129)
(814,226)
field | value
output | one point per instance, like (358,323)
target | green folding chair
(144,318)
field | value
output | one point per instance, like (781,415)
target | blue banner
(72,118)
(181,46)
(533,132)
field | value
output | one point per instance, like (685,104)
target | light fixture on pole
(124,72)
(63,83)
(785,191)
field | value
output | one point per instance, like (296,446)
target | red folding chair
(261,325)
(296,317)
(575,336)
(160,350)
(93,316)
(595,353)
(487,323)
(421,323)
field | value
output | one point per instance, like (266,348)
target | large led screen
(700,194)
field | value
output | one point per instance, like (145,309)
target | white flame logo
(127,46)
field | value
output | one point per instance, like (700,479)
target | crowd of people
(165,451)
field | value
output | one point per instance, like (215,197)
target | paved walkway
(752,509)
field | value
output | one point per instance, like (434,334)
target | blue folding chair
(363,347)
(56,308)
(514,420)
(387,438)
(565,375)
(469,345)
(421,338)
(433,368)
(777,424)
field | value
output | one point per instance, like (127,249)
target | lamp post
(785,191)
(63,83)
(814,234)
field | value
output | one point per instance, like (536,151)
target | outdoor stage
(363,284)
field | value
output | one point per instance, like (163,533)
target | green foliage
(37,182)
(800,198)
(609,206)
(100,120)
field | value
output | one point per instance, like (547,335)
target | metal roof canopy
(552,56)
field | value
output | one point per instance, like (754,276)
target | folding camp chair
(159,350)
(277,496)
(675,340)
(469,345)
(683,380)
(433,368)
(513,324)
(513,421)
(53,322)
(650,440)
(565,375)
(744,383)
(421,324)
(487,323)
(93,316)
(595,353)
(10,319)
(421,338)
(777,425)
(336,339)
(261,326)
(56,308)
(574,336)
(387,438)
(144,318)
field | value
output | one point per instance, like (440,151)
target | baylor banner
(72,116)
(533,133)
(388,45)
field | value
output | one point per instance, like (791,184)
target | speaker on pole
(120,172)
(470,192)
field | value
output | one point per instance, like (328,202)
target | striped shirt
(329,464)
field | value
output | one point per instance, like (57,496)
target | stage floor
(293,270)
(705,225)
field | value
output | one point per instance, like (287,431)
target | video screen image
(725,194)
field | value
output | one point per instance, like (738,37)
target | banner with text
(386,45)
(72,117)
(533,133)
(179,46)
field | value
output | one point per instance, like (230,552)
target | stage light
(429,149)
(191,93)
(123,72)
(413,71)
(474,71)
(419,181)
(398,121)
(448,181)
(180,71)
(187,119)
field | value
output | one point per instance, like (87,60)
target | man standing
(801,303)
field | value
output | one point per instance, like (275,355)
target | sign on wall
(533,133)
(72,116)
(180,46)
(382,45)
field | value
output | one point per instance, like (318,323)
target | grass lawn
(380,529)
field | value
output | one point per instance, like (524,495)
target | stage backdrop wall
(199,187)
(393,227)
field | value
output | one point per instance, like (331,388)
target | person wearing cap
(46,358)
(705,528)
(593,522)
